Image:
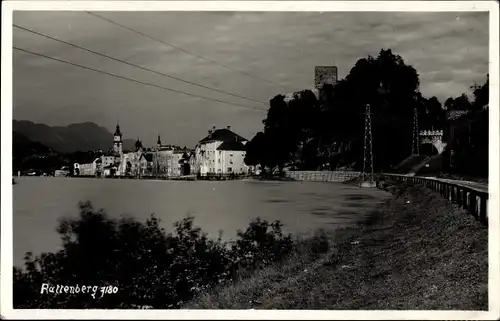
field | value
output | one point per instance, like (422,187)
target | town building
(89,168)
(221,152)
(160,160)
(132,163)
(118,141)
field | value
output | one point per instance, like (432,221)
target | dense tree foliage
(470,133)
(309,132)
(479,100)
(148,266)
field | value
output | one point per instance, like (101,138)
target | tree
(448,104)
(390,87)
(297,131)
(471,131)
(461,103)
(288,127)
(481,94)
(431,114)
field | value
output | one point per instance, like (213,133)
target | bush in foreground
(148,266)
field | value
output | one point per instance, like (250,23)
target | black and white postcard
(250,159)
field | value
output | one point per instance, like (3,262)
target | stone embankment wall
(323,176)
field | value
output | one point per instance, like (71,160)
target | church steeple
(138,145)
(158,142)
(117,140)
(117,131)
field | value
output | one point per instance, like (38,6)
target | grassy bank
(417,251)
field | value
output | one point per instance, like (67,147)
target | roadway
(480,187)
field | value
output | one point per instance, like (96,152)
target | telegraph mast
(415,145)
(368,174)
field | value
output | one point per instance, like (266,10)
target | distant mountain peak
(85,136)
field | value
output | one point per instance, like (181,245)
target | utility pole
(368,175)
(475,86)
(415,145)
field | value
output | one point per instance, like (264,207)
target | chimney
(229,127)
(213,128)
(209,132)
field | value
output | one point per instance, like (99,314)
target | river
(215,205)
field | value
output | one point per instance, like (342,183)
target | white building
(107,160)
(221,152)
(87,169)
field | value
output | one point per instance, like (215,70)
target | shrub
(148,266)
(259,246)
(319,243)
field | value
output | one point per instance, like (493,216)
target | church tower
(158,143)
(118,141)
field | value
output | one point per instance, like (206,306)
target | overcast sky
(449,51)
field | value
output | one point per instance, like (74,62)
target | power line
(184,50)
(135,80)
(136,66)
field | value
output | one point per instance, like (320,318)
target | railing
(322,176)
(472,197)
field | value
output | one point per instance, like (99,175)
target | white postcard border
(414,6)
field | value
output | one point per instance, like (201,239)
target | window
(229,169)
(231,155)
(230,162)
(219,160)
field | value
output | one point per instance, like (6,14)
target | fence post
(453,196)
(483,210)
(466,200)
(473,204)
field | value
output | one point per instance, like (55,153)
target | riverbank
(417,251)
(225,177)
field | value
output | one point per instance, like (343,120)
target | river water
(216,206)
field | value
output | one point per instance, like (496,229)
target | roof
(223,135)
(148,157)
(232,145)
(117,131)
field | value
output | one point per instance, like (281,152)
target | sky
(268,53)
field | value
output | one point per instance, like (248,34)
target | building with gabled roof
(221,152)
(222,135)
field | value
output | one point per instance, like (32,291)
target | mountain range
(85,136)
